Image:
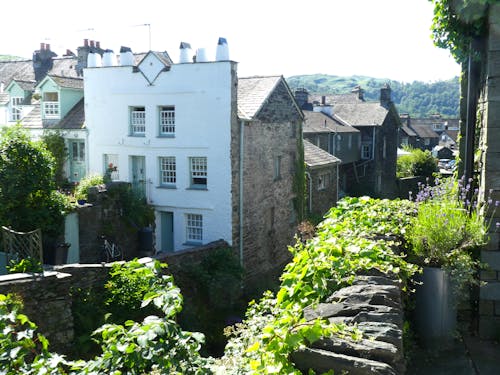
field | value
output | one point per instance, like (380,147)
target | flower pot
(435,309)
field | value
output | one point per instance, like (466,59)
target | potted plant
(444,235)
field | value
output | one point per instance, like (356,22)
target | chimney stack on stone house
(301,97)
(42,61)
(385,95)
(359,91)
(83,53)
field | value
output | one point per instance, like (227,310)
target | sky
(388,39)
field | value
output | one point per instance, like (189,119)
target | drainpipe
(310,191)
(337,192)
(471,112)
(242,128)
(373,143)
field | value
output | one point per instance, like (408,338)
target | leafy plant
(359,234)
(82,190)
(26,265)
(55,144)
(447,229)
(417,163)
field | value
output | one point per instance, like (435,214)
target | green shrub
(82,190)
(418,163)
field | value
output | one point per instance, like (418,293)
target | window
(167,121)
(277,167)
(438,126)
(137,121)
(349,141)
(167,171)
(323,181)
(366,152)
(194,228)
(15,109)
(78,151)
(198,172)
(51,104)
(427,141)
(404,141)
(384,149)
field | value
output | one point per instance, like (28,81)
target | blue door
(167,231)
(139,174)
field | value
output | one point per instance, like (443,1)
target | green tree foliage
(419,99)
(457,23)
(54,142)
(27,197)
(417,163)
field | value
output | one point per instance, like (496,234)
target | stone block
(489,275)
(489,327)
(486,308)
(492,258)
(490,291)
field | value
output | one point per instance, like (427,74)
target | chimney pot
(47,47)
(85,42)
(98,44)
(323,100)
(42,46)
(91,43)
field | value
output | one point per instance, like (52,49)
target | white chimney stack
(222,53)
(92,60)
(185,53)
(108,58)
(126,56)
(201,55)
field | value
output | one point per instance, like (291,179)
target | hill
(419,99)
(10,58)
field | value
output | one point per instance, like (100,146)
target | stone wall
(47,299)
(373,302)
(322,200)
(489,107)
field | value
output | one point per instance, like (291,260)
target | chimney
(185,53)
(98,45)
(92,44)
(69,53)
(85,42)
(42,61)
(302,97)
(359,91)
(222,53)
(323,99)
(385,95)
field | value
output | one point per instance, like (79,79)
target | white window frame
(51,108)
(168,173)
(15,110)
(137,121)
(167,121)
(194,228)
(427,141)
(198,172)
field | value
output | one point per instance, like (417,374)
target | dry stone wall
(373,303)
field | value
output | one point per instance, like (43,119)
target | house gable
(151,66)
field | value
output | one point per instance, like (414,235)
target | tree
(54,142)
(27,197)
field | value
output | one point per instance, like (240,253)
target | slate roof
(409,132)
(252,93)
(33,120)
(453,134)
(361,113)
(319,122)
(26,85)
(316,157)
(68,82)
(75,119)
(335,98)
(424,131)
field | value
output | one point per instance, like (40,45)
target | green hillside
(9,58)
(419,99)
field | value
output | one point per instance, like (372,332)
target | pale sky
(378,38)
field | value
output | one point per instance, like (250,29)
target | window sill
(167,187)
(192,243)
(204,188)
(137,135)
(166,136)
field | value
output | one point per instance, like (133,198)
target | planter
(435,309)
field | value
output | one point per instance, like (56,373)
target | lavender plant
(449,227)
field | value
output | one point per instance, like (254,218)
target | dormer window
(51,105)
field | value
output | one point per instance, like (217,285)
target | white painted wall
(201,94)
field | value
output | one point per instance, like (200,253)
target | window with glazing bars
(198,169)
(137,120)
(167,120)
(194,228)
(167,171)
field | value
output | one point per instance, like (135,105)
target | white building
(167,130)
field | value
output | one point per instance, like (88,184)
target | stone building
(489,110)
